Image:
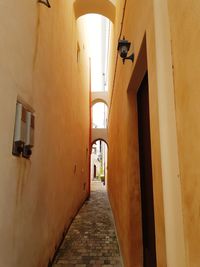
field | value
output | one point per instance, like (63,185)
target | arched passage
(99,161)
(100,96)
(102,7)
(99,101)
(99,139)
(99,134)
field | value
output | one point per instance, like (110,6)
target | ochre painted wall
(185,28)
(123,168)
(172,45)
(40,196)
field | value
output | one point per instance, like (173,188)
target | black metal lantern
(45,2)
(123,48)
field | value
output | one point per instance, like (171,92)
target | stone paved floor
(91,239)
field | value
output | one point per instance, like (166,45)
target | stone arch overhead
(99,139)
(99,97)
(102,7)
(98,100)
(99,134)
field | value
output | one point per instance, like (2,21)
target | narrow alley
(91,239)
(106,91)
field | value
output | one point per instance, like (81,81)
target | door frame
(143,62)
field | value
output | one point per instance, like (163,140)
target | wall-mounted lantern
(123,48)
(45,2)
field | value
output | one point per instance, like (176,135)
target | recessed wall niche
(23,139)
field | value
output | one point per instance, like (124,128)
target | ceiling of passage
(103,7)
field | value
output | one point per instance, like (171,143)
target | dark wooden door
(148,225)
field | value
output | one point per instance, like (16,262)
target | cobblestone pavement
(91,239)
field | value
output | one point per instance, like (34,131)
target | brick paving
(91,240)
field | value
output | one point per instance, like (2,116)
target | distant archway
(103,7)
(99,139)
(99,101)
(99,161)
(99,134)
(100,96)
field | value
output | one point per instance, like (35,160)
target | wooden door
(148,225)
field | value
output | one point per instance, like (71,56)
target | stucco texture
(123,168)
(185,27)
(172,40)
(40,196)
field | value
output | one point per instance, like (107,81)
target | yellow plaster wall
(150,17)
(123,175)
(185,28)
(173,68)
(40,196)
